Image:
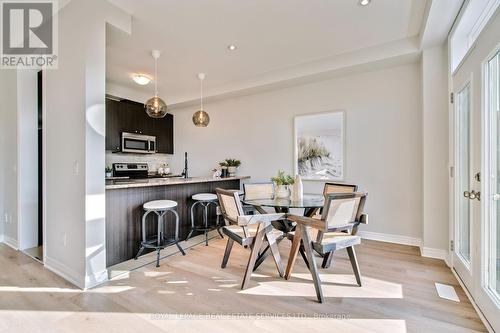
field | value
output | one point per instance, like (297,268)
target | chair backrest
(343,208)
(339,188)
(256,191)
(230,205)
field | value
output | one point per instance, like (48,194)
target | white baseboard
(64,271)
(430,252)
(96,279)
(11,242)
(390,238)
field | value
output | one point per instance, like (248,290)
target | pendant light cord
(201,94)
(156,77)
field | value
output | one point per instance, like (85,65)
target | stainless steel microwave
(138,143)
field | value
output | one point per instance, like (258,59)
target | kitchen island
(124,200)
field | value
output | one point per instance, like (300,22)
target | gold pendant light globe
(156,107)
(201,119)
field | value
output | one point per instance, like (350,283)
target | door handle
(473,195)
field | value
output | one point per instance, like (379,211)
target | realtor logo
(28,34)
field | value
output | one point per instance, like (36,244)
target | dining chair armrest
(308,221)
(259,218)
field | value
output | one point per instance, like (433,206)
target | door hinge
(452,246)
(451,98)
(452,172)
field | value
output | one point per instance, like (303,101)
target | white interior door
(467,144)
(476,254)
(487,288)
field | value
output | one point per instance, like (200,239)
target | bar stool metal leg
(177,232)
(142,248)
(205,220)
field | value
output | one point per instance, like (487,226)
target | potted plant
(223,169)
(109,171)
(232,165)
(283,183)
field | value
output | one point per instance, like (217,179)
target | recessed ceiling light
(364,2)
(141,79)
(231,47)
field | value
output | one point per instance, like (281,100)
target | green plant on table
(108,169)
(230,162)
(282,179)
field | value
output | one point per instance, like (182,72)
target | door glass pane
(493,90)
(463,114)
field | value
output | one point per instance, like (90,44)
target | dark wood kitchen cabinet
(129,116)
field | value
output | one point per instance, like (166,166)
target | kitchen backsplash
(154,161)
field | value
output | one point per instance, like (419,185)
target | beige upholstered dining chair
(342,212)
(249,231)
(254,191)
(328,189)
(339,188)
(257,191)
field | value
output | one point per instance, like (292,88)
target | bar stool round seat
(204,197)
(160,205)
(159,241)
(205,200)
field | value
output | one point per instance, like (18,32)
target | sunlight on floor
(334,285)
(127,322)
(97,290)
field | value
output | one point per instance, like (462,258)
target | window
(471,21)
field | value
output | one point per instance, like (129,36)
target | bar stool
(205,200)
(160,241)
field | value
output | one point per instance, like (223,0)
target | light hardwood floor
(189,294)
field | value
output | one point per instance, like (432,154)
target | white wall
(8,170)
(383,139)
(75,205)
(435,150)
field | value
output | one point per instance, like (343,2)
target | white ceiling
(270,34)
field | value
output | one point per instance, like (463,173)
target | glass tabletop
(308,201)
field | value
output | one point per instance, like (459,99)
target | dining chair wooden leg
(303,254)
(327,260)
(257,244)
(273,245)
(354,263)
(293,251)
(227,252)
(306,239)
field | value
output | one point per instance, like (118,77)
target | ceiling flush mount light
(364,2)
(231,47)
(201,118)
(141,79)
(155,106)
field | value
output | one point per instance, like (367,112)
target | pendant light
(155,106)
(201,118)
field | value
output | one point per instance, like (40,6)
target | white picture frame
(319,146)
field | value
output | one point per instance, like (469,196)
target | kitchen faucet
(185,172)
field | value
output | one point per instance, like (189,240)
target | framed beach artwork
(320,145)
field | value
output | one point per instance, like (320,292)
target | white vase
(298,189)
(109,174)
(282,192)
(232,171)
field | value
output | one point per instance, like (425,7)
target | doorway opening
(35,227)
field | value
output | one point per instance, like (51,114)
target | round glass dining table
(311,203)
